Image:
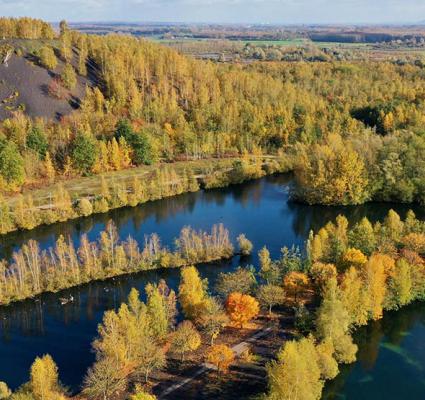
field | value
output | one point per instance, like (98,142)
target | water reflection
(390,361)
(260,209)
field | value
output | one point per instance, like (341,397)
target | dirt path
(238,349)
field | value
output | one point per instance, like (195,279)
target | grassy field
(91,186)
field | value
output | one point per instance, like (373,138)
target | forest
(350,274)
(353,130)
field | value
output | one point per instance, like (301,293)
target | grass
(91,186)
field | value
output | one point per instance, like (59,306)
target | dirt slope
(24,85)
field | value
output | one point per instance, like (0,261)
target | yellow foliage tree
(295,283)
(375,281)
(192,292)
(221,356)
(44,379)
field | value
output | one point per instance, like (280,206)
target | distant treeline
(360,37)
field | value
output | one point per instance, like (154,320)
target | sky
(226,11)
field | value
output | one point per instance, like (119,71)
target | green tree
(11,164)
(400,286)
(37,141)
(157,311)
(362,237)
(212,320)
(84,152)
(143,149)
(192,292)
(268,270)
(333,323)
(6,221)
(141,144)
(243,281)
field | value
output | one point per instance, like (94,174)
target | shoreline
(105,193)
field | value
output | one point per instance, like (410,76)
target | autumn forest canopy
(353,131)
(123,121)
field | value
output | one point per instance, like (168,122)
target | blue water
(390,363)
(260,209)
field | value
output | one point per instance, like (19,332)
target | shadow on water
(260,209)
(390,362)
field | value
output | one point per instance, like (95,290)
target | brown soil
(244,379)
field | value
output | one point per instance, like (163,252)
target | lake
(390,362)
(261,209)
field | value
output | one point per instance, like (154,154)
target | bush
(55,89)
(245,246)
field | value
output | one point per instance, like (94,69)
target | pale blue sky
(248,11)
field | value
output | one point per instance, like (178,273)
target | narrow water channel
(260,209)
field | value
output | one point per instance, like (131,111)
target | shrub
(56,90)
(245,246)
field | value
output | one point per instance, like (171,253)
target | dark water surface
(390,363)
(260,209)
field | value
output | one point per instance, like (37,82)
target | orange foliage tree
(241,308)
(221,356)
